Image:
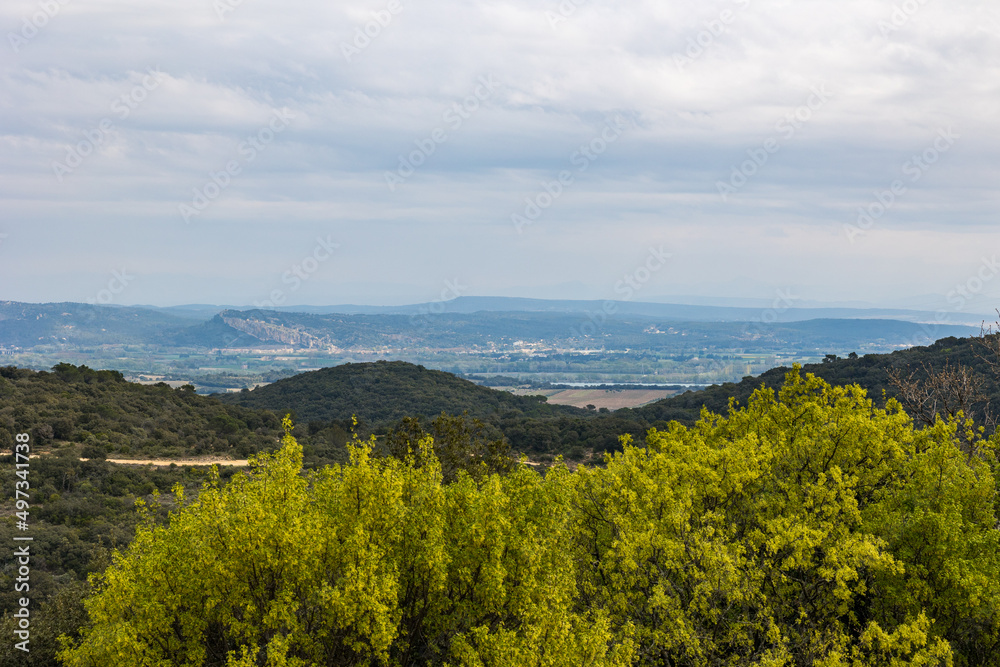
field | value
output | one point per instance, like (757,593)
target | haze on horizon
(222,151)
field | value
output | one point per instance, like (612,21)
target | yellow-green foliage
(376,562)
(808,528)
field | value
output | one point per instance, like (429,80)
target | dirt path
(240,463)
(202,461)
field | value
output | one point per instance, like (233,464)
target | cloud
(702,86)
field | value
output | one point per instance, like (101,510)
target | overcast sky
(394,151)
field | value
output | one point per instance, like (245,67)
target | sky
(256,152)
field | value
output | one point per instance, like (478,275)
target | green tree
(775,536)
(461,443)
(375,562)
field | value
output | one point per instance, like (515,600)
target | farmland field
(600,398)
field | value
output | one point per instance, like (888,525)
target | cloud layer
(206,145)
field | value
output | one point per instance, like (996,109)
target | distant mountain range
(470,323)
(26,325)
(485,329)
(776,312)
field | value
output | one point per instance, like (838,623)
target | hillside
(30,324)
(387,391)
(27,325)
(869,371)
(505,330)
(76,325)
(382,393)
(103,415)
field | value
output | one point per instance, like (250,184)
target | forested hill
(109,416)
(869,371)
(386,391)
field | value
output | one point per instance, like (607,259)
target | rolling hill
(386,391)
(101,414)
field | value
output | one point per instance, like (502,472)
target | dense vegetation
(382,393)
(101,414)
(385,392)
(80,511)
(871,372)
(809,527)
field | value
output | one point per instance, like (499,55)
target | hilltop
(387,391)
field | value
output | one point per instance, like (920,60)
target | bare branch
(946,393)
(987,344)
